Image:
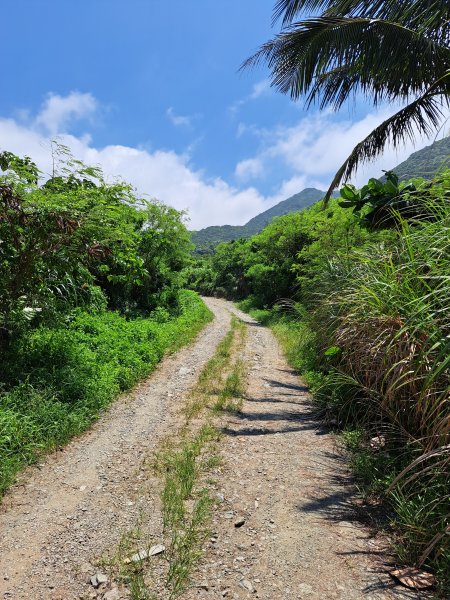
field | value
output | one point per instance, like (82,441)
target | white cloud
(161,174)
(260,88)
(178,120)
(309,154)
(58,112)
(296,184)
(317,145)
(249,169)
(246,129)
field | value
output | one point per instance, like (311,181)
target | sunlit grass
(188,457)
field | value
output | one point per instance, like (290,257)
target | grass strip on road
(185,464)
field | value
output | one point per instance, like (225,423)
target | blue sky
(150,90)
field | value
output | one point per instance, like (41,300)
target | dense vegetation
(358,293)
(90,299)
(426,162)
(423,163)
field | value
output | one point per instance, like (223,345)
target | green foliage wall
(282,260)
(77,240)
(91,297)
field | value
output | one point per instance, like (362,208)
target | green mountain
(206,239)
(301,200)
(423,163)
(426,162)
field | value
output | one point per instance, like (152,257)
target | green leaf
(332,351)
(390,188)
(364,191)
(349,192)
(375,185)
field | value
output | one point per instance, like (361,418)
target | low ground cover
(55,381)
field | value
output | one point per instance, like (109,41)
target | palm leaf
(388,50)
(336,86)
(422,116)
(432,18)
(379,58)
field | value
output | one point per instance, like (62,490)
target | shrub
(56,381)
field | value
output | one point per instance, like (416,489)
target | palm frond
(380,58)
(420,117)
(335,87)
(433,18)
(386,50)
(289,9)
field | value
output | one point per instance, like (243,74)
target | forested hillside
(358,293)
(206,239)
(426,162)
(423,163)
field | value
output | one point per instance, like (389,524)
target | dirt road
(302,535)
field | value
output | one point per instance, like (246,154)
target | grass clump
(394,365)
(186,502)
(186,509)
(216,380)
(187,459)
(132,573)
(231,395)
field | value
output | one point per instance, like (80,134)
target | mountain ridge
(422,163)
(205,239)
(425,162)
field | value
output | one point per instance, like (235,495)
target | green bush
(78,241)
(71,248)
(55,381)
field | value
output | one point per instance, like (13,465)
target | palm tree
(394,51)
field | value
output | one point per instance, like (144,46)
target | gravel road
(303,535)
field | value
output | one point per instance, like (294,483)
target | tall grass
(386,316)
(374,344)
